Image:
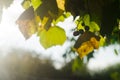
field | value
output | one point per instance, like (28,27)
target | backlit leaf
(46,8)
(61,4)
(79,25)
(26,4)
(27,28)
(62,17)
(85,49)
(36,3)
(86,36)
(102,40)
(94,42)
(54,36)
(94,26)
(28,14)
(67,14)
(86,43)
(77,64)
(86,19)
(26,23)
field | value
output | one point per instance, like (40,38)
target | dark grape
(81,31)
(75,33)
(87,28)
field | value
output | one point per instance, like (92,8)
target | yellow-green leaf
(36,3)
(61,4)
(54,36)
(94,26)
(67,14)
(79,26)
(86,19)
(102,41)
(26,4)
(62,17)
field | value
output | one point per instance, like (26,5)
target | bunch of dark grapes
(81,31)
(76,33)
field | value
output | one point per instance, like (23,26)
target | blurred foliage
(97,23)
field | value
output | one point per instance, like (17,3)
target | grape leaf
(77,64)
(102,40)
(86,43)
(36,3)
(26,4)
(62,17)
(86,36)
(85,49)
(86,19)
(79,24)
(47,6)
(94,26)
(67,14)
(26,23)
(27,27)
(88,47)
(61,4)
(28,14)
(54,36)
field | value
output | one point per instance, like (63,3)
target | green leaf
(77,64)
(102,40)
(79,22)
(67,14)
(62,17)
(36,3)
(79,26)
(94,26)
(54,36)
(61,4)
(26,4)
(86,19)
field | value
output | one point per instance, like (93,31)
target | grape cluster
(81,31)
(76,33)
